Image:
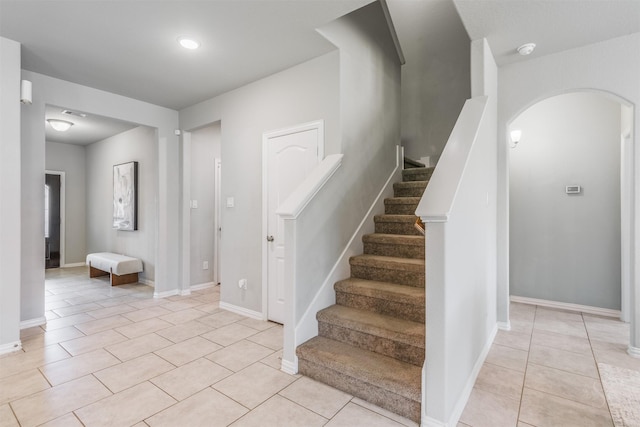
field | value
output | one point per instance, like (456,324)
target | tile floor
(118,357)
(544,371)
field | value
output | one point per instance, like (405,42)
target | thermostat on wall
(573,189)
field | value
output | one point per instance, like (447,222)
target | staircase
(371,343)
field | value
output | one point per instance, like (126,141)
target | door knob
(270,239)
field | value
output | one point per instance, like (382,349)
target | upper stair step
(401,205)
(384,381)
(396,224)
(397,338)
(417,174)
(391,299)
(403,271)
(409,188)
(396,245)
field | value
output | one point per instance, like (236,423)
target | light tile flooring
(118,357)
(544,372)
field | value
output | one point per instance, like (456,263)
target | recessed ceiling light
(526,49)
(188,42)
(60,125)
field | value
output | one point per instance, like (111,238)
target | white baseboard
(307,327)
(241,310)
(10,347)
(33,322)
(634,351)
(147,282)
(165,294)
(289,367)
(200,286)
(74,264)
(567,306)
(504,326)
(466,391)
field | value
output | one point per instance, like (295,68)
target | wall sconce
(516,134)
(26,92)
(60,125)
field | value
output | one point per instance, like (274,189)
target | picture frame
(125,196)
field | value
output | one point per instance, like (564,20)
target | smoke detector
(73,113)
(526,49)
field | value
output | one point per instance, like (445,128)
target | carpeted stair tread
(409,188)
(389,262)
(391,299)
(404,271)
(384,290)
(403,331)
(401,205)
(403,379)
(417,174)
(396,224)
(397,245)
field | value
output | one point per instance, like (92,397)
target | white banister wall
(458,208)
(312,263)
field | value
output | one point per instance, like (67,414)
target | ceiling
(85,130)
(130,48)
(554,25)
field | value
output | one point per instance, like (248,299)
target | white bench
(122,269)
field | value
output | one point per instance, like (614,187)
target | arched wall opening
(569,203)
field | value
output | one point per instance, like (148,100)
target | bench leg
(123,279)
(94,272)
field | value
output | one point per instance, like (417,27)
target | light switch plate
(230,202)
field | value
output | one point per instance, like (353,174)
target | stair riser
(396,250)
(408,191)
(414,313)
(401,277)
(362,389)
(387,347)
(410,175)
(404,228)
(400,208)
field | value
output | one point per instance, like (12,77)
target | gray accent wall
(566,247)
(138,145)
(304,93)
(436,76)
(205,148)
(70,159)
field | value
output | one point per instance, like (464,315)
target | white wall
(301,94)
(566,247)
(47,90)
(139,145)
(70,159)
(460,210)
(611,66)
(436,76)
(205,148)
(10,204)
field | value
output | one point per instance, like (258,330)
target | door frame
(217,223)
(62,175)
(266,136)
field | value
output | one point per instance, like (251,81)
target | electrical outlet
(242,283)
(194,204)
(205,265)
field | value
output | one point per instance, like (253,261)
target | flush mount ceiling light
(526,49)
(60,125)
(188,42)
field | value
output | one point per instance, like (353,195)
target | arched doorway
(570,202)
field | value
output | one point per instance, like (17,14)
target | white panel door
(291,157)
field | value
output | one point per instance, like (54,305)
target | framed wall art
(125,196)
